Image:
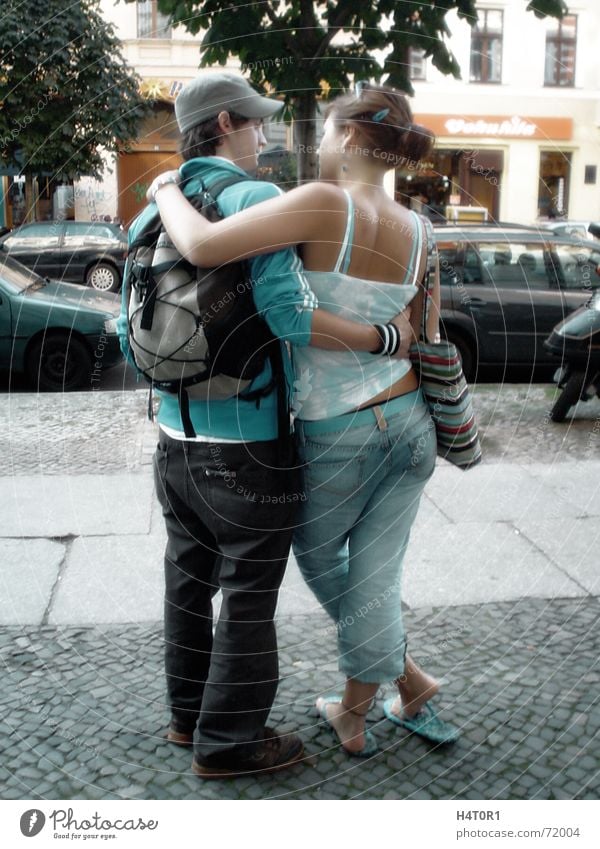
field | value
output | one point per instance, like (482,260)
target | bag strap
(213,190)
(222,183)
(428,281)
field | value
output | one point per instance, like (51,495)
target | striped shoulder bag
(443,382)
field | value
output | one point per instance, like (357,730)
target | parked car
(504,289)
(90,252)
(60,335)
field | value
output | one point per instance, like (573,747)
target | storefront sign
(498,127)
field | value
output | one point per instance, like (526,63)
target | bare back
(382,245)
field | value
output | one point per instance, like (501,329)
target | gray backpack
(195,332)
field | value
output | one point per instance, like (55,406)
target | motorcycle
(576,341)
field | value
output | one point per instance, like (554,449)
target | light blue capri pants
(364,478)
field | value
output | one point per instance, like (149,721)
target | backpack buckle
(140,275)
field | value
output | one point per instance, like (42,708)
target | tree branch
(283,30)
(344,14)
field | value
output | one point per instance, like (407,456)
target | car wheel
(569,396)
(58,363)
(465,352)
(103,277)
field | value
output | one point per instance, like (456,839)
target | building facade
(519,136)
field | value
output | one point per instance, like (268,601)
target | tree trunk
(30,199)
(305,136)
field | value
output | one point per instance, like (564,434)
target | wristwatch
(163,181)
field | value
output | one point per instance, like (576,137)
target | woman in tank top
(363,427)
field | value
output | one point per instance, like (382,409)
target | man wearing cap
(221,688)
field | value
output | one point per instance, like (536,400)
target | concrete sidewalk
(87,549)
(501,587)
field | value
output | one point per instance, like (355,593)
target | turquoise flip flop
(368,750)
(426,723)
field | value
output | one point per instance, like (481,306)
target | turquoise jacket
(281,294)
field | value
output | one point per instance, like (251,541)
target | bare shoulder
(319,196)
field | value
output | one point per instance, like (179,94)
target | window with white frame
(416,63)
(486,47)
(561,48)
(151,23)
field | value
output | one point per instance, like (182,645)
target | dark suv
(505,288)
(90,252)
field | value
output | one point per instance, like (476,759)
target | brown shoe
(180,738)
(275,752)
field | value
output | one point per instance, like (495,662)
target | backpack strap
(222,183)
(285,439)
(184,409)
(213,190)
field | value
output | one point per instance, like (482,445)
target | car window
(579,265)
(576,231)
(17,275)
(449,272)
(86,233)
(508,265)
(30,234)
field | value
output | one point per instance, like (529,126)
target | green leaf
(67,91)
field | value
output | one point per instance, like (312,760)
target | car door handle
(477,302)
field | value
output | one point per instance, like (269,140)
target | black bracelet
(390,339)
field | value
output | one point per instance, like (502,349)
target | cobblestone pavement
(83,712)
(93,432)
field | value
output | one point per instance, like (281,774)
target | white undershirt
(200,437)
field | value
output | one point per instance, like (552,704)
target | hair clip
(379,116)
(359,86)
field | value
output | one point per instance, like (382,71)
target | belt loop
(378,413)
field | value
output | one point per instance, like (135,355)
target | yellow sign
(155,89)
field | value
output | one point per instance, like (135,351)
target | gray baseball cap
(212,93)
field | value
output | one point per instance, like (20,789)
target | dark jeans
(229,513)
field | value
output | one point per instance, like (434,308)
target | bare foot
(349,727)
(415,688)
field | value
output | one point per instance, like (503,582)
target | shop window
(561,41)
(152,23)
(416,63)
(553,193)
(453,178)
(486,47)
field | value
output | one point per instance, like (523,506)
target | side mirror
(594,229)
